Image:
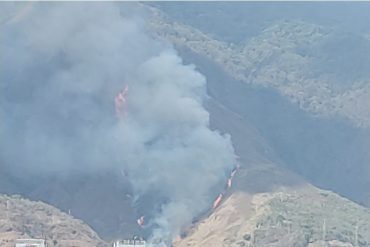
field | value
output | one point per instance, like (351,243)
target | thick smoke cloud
(61,67)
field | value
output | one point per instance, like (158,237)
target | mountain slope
(307,63)
(327,150)
(22,218)
(302,217)
(281,122)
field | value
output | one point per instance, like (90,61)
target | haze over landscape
(185,123)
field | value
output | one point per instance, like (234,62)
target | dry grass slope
(22,218)
(306,217)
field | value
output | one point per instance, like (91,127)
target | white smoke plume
(62,66)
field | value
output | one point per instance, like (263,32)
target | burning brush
(120,103)
(229,182)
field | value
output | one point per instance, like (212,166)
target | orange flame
(229,182)
(120,103)
(217,201)
(141,221)
(233,172)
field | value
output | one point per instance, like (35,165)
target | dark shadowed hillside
(317,149)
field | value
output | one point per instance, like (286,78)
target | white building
(30,243)
(129,243)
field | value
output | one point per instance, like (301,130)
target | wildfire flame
(229,182)
(218,200)
(141,221)
(120,103)
(233,172)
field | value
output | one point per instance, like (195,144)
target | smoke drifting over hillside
(62,66)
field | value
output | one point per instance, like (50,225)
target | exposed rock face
(22,218)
